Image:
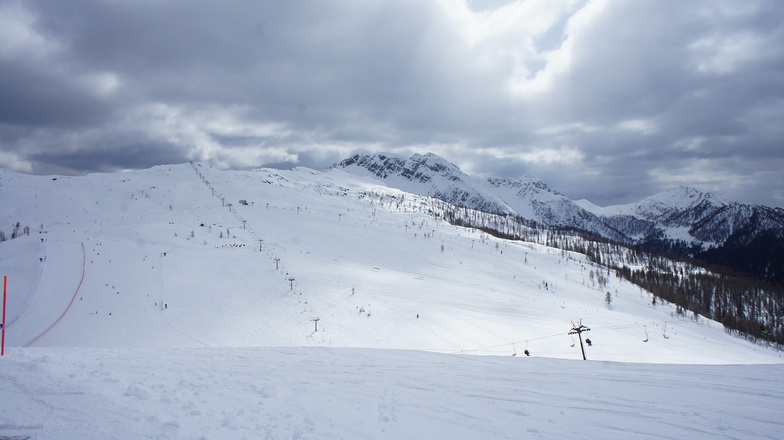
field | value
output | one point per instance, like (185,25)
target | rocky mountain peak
(524,184)
(419,168)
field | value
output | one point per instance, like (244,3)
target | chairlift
(572,345)
(645,329)
(664,331)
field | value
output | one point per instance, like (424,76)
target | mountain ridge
(682,219)
(526,196)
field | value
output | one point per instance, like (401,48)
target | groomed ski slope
(154,268)
(357,394)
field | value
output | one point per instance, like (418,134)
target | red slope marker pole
(5,289)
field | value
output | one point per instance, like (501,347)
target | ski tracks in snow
(68,307)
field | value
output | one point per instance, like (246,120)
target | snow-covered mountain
(684,213)
(682,220)
(532,199)
(747,237)
(433,176)
(426,175)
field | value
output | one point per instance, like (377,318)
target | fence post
(5,290)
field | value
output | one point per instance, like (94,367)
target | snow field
(318,393)
(169,264)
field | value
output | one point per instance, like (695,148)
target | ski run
(187,302)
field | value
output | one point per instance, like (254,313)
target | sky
(607,100)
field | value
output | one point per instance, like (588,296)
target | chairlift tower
(578,329)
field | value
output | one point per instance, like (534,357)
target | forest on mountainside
(752,307)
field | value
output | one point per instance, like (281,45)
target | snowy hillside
(170,270)
(682,220)
(169,257)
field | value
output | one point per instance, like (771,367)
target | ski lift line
(488,347)
(506,344)
(655,323)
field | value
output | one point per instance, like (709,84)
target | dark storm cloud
(665,96)
(134,154)
(606,100)
(33,96)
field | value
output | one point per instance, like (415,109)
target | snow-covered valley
(142,305)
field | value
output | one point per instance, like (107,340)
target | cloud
(605,100)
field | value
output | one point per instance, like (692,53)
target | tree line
(752,307)
(16,232)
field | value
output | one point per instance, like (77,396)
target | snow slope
(159,259)
(162,283)
(318,393)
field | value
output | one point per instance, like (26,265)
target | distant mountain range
(682,220)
